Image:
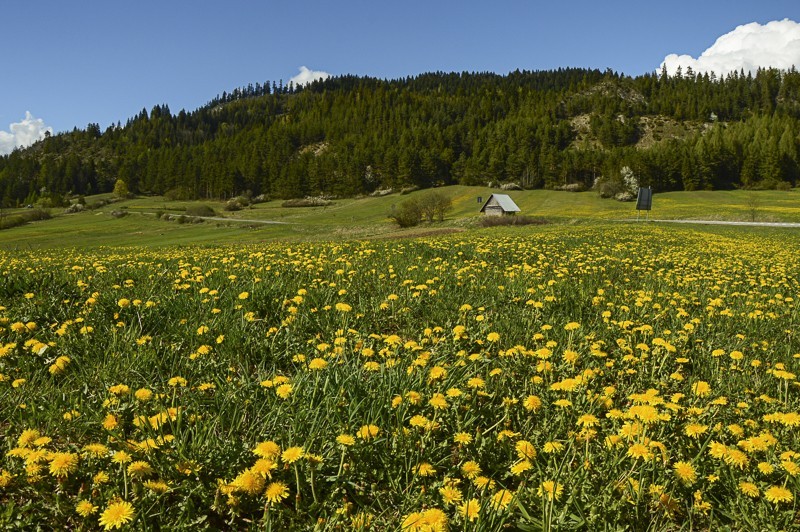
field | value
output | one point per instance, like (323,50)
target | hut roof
(505,202)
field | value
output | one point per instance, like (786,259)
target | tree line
(351,135)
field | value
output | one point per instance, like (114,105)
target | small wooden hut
(499,205)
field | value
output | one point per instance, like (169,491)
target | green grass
(368,217)
(620,364)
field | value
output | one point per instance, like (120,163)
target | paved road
(221,219)
(721,222)
(243,220)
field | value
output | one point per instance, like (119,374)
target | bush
(430,207)
(200,210)
(407,214)
(15,220)
(238,203)
(306,202)
(178,194)
(496,221)
(7,222)
(784,186)
(572,187)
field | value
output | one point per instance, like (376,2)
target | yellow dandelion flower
(471,469)
(525,450)
(551,489)
(368,432)
(143,395)
(450,495)
(553,447)
(116,515)
(267,449)
(62,464)
(695,430)
(532,402)
(345,439)
(588,420)
(736,458)
(121,457)
(317,364)
(520,467)
(276,492)
(790,467)
(27,437)
(284,391)
(638,450)
(701,388)
(110,422)
(292,454)
(749,489)
(778,494)
(462,438)
(249,482)
(470,510)
(685,472)
(476,382)
(158,486)
(493,337)
(501,499)
(85,508)
(139,469)
(438,401)
(424,469)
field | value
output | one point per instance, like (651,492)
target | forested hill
(352,135)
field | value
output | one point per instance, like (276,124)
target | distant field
(368,217)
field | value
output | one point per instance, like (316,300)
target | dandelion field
(573,378)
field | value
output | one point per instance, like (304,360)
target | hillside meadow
(568,376)
(367,217)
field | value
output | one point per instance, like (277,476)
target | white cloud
(306,76)
(750,46)
(23,133)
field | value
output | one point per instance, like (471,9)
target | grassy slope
(367,217)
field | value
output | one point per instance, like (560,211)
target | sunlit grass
(573,377)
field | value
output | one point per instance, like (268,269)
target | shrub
(121,189)
(783,185)
(178,194)
(7,222)
(200,209)
(572,187)
(306,202)
(430,207)
(407,214)
(237,204)
(496,221)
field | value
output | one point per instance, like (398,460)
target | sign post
(644,201)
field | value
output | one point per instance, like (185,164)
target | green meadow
(367,217)
(337,373)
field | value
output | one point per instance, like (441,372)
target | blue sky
(72,63)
